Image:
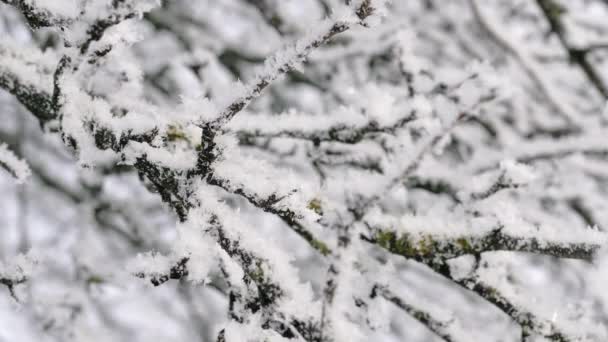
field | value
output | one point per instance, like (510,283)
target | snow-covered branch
(385,160)
(438,247)
(13,165)
(439,328)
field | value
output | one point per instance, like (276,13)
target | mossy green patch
(95,279)
(257,275)
(175,134)
(426,245)
(315,205)
(464,244)
(321,247)
(402,246)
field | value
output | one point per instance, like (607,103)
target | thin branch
(553,13)
(403,176)
(10,284)
(285,61)
(340,133)
(528,321)
(527,63)
(269,12)
(439,328)
(599,152)
(500,184)
(287,215)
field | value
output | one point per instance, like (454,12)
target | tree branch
(285,61)
(439,328)
(553,12)
(427,247)
(35,17)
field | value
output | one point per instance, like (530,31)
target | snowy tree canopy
(303,170)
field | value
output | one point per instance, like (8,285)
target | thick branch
(435,247)
(37,101)
(528,321)
(35,17)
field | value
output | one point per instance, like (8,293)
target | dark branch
(434,247)
(35,17)
(340,133)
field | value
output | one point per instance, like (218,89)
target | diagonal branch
(439,328)
(36,100)
(287,215)
(287,60)
(553,12)
(528,321)
(527,63)
(36,17)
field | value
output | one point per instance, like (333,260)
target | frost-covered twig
(16,272)
(166,183)
(433,185)
(591,146)
(528,321)
(268,205)
(10,284)
(436,253)
(512,175)
(439,328)
(263,292)
(99,27)
(177,271)
(13,165)
(268,11)
(527,63)
(553,13)
(403,175)
(339,133)
(291,58)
